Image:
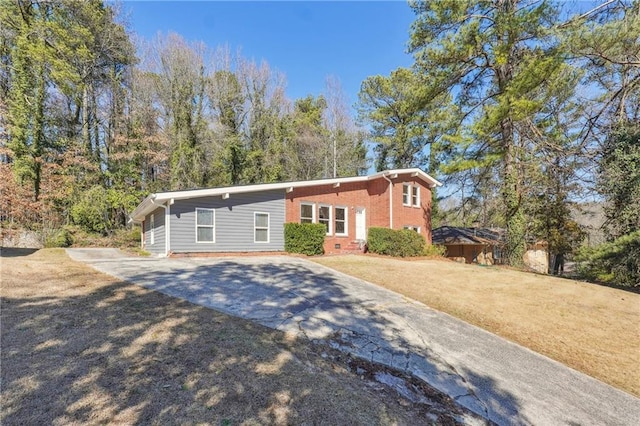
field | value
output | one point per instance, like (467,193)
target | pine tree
(495,59)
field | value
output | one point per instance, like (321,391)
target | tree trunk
(516,244)
(38,133)
(511,191)
(86,134)
(95,127)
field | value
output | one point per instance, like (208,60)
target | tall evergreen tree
(495,59)
(32,58)
(392,106)
(619,181)
(52,51)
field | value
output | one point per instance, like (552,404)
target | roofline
(146,206)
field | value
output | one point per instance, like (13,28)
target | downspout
(167,224)
(390,201)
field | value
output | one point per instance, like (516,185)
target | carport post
(167,223)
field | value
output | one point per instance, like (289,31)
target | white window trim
(412,228)
(152,229)
(406,187)
(346,221)
(417,203)
(330,228)
(205,226)
(313,211)
(256,227)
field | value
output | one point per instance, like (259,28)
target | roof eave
(419,173)
(138,215)
(146,206)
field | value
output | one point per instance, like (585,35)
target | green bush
(614,263)
(434,250)
(399,243)
(128,237)
(59,238)
(304,238)
(91,212)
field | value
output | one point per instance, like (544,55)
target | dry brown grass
(590,328)
(83,348)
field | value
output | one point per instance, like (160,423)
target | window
(410,195)
(406,192)
(412,228)
(205,225)
(341,221)
(415,196)
(324,217)
(261,227)
(307,213)
(152,229)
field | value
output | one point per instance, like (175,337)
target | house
(251,218)
(474,245)
(484,246)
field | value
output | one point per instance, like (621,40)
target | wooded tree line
(92,122)
(523,107)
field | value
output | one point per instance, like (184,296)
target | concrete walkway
(501,381)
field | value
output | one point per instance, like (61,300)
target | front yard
(80,347)
(590,328)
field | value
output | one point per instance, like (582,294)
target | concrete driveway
(501,381)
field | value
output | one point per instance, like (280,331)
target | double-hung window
(406,195)
(307,213)
(324,217)
(341,221)
(261,227)
(410,195)
(205,225)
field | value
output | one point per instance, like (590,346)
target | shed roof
(152,201)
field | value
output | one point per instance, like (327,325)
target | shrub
(400,243)
(91,212)
(59,238)
(434,250)
(128,237)
(304,238)
(615,263)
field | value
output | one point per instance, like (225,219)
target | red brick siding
(409,215)
(374,197)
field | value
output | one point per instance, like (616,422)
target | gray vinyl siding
(234,222)
(159,238)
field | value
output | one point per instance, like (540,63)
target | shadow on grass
(124,354)
(16,252)
(303,297)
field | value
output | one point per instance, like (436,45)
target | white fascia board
(196,193)
(149,204)
(139,213)
(414,171)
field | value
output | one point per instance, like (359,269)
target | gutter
(390,200)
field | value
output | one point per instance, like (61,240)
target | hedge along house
(251,218)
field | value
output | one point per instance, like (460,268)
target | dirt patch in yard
(590,328)
(81,347)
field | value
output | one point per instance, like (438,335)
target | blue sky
(307,41)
